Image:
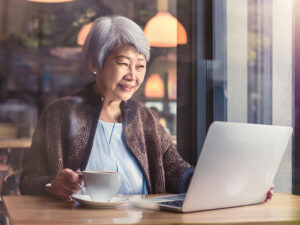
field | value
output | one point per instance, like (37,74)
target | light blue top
(110,153)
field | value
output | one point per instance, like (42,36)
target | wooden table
(6,168)
(23,210)
(15,143)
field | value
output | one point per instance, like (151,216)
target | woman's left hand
(270,193)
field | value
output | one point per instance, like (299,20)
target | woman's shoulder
(138,108)
(77,99)
(67,105)
(63,103)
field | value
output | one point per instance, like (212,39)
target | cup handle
(80,174)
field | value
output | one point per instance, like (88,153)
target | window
(40,55)
(252,68)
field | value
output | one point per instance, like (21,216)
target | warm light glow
(49,1)
(154,87)
(83,33)
(172,83)
(164,30)
(66,53)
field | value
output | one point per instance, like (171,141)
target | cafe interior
(211,60)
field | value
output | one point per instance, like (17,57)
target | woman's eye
(123,64)
(141,66)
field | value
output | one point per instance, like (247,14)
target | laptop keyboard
(176,203)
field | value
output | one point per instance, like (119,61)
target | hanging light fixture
(154,87)
(50,1)
(164,30)
(83,33)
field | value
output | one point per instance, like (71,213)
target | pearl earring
(94,73)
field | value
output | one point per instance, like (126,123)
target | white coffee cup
(102,186)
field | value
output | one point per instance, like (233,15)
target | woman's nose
(131,72)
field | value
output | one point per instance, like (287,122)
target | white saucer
(86,200)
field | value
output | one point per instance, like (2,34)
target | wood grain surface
(23,210)
(15,143)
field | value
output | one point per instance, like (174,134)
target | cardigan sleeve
(43,158)
(174,166)
(186,179)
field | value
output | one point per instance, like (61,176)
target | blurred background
(41,60)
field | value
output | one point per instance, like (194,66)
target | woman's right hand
(66,183)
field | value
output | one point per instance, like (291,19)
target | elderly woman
(99,128)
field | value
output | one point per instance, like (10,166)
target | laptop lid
(237,165)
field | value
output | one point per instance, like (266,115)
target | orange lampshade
(164,30)
(49,1)
(83,33)
(154,87)
(172,83)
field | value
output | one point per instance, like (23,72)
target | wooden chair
(11,182)
(10,186)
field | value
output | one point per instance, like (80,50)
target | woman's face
(122,73)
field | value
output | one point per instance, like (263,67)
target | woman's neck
(111,111)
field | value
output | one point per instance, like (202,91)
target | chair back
(11,183)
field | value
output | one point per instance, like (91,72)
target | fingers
(79,182)
(72,180)
(65,187)
(58,191)
(80,176)
(70,175)
(61,189)
(270,193)
(65,184)
(62,195)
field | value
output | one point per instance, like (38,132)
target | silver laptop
(236,167)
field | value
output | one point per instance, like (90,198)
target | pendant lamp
(83,33)
(154,87)
(50,1)
(164,30)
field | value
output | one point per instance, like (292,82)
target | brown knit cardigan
(64,137)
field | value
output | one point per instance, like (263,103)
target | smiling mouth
(125,87)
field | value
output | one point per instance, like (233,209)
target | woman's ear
(92,67)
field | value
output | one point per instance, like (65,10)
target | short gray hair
(109,33)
